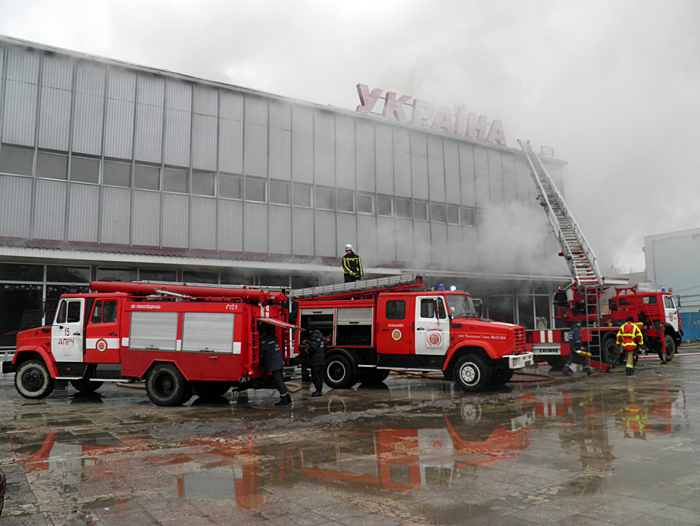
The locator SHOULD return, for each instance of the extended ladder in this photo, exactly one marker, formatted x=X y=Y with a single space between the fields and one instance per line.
x=578 y=254
x=354 y=287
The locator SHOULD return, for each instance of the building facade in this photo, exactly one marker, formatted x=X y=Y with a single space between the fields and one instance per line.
x=114 y=171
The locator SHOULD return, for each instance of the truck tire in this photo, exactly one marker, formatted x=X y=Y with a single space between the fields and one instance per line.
x=670 y=345
x=609 y=351
x=472 y=374
x=86 y=386
x=501 y=376
x=32 y=380
x=373 y=376
x=338 y=373
x=166 y=386
x=209 y=390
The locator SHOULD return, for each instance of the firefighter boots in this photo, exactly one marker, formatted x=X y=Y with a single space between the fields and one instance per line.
x=285 y=400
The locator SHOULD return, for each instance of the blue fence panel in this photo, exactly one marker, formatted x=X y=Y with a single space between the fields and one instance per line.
x=691 y=326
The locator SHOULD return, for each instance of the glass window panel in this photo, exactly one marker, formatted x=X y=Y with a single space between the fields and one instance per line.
x=116 y=174
x=16 y=160
x=325 y=198
x=384 y=205
x=469 y=216
x=437 y=213
x=110 y=312
x=230 y=186
x=125 y=275
x=97 y=313
x=20 y=309
x=420 y=210
x=404 y=208
x=201 y=277
x=279 y=193
x=255 y=190
x=395 y=310
x=175 y=180
x=13 y=272
x=157 y=275
x=302 y=196
x=52 y=165
x=146 y=177
x=346 y=201
x=453 y=214
x=53 y=294
x=204 y=183
x=68 y=274
x=365 y=204
x=85 y=170
x=526 y=313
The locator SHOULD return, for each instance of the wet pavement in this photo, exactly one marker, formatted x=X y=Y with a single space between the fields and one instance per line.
x=561 y=451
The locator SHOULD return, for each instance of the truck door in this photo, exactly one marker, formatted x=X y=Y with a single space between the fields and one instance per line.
x=394 y=327
x=67 y=331
x=671 y=312
x=432 y=325
x=102 y=332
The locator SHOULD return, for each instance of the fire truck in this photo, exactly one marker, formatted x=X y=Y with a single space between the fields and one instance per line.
x=182 y=339
x=651 y=306
x=375 y=326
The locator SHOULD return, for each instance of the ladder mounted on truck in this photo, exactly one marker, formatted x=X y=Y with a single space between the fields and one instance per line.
x=359 y=288
x=575 y=249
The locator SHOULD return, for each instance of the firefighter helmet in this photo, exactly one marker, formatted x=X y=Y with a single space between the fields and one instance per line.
x=348 y=247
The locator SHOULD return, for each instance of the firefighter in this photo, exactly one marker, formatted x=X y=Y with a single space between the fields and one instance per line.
x=578 y=354
x=272 y=361
x=630 y=338
x=352 y=265
x=316 y=349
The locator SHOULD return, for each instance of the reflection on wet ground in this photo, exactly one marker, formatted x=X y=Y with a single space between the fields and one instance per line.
x=603 y=450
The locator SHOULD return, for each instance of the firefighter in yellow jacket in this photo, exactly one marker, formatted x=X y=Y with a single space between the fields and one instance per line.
x=630 y=338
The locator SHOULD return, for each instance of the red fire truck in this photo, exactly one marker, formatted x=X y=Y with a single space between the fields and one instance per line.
x=386 y=324
x=180 y=339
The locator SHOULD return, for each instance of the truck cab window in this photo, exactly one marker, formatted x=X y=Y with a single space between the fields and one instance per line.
x=429 y=306
x=395 y=310
x=97 y=313
x=110 y=312
x=73 y=311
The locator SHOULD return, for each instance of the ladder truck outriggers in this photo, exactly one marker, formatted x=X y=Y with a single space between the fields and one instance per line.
x=375 y=326
x=651 y=306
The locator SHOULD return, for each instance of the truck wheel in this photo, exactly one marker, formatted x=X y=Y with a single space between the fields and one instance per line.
x=610 y=355
x=670 y=345
x=166 y=386
x=373 y=376
x=502 y=376
x=33 y=380
x=338 y=373
x=86 y=386
x=210 y=390
x=472 y=374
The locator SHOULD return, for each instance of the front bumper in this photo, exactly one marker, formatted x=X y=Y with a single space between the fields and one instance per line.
x=518 y=361
x=8 y=367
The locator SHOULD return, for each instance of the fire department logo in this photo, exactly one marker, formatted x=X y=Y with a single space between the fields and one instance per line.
x=101 y=346
x=396 y=335
x=434 y=338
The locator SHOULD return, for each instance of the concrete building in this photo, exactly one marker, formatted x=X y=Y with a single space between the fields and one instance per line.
x=115 y=171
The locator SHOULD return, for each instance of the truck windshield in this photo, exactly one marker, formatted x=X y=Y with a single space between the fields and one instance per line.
x=461 y=306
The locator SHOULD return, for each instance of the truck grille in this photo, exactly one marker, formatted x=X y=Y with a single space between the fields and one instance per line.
x=519 y=337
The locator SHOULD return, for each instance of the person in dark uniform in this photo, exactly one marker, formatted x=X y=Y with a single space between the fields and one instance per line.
x=577 y=354
x=317 y=359
x=272 y=361
x=352 y=265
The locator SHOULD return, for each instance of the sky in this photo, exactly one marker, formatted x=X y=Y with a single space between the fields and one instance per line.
x=613 y=87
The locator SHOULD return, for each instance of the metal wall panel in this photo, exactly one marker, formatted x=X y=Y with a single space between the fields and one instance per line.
x=121 y=84
x=54 y=119
x=146 y=224
x=231 y=146
x=367 y=239
x=454 y=245
x=324 y=238
x=256 y=110
x=303 y=232
x=255 y=228
x=57 y=72
x=419 y=171
x=231 y=105
x=204 y=142
x=83 y=212
x=50 y=209
x=230 y=230
x=385 y=171
x=280 y=229
x=510 y=192
x=421 y=242
x=116 y=216
x=178 y=125
x=19 y=117
x=402 y=173
x=364 y=132
x=280 y=115
x=404 y=245
x=346 y=232
x=90 y=79
x=176 y=215
x=87 y=123
x=15 y=212
x=206 y=100
x=452 y=186
x=345 y=164
x=471 y=248
x=23 y=65
x=280 y=154
x=419 y=144
x=203 y=223
x=178 y=95
x=324 y=160
x=438 y=238
x=150 y=89
x=467 y=171
x=119 y=129
x=435 y=149
x=344 y=128
x=384 y=137
x=436 y=176
x=255 y=144
x=365 y=167
x=386 y=239
x=324 y=124
x=481 y=174
x=302 y=157
x=149 y=133
x=525 y=186
x=402 y=140
x=302 y=119
x=496 y=176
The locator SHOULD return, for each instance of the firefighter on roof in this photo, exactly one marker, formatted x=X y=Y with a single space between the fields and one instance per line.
x=352 y=265
x=630 y=338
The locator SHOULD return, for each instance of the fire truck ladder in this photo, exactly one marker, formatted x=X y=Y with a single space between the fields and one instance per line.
x=576 y=250
x=365 y=285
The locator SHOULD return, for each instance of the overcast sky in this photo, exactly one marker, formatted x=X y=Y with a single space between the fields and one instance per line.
x=612 y=86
